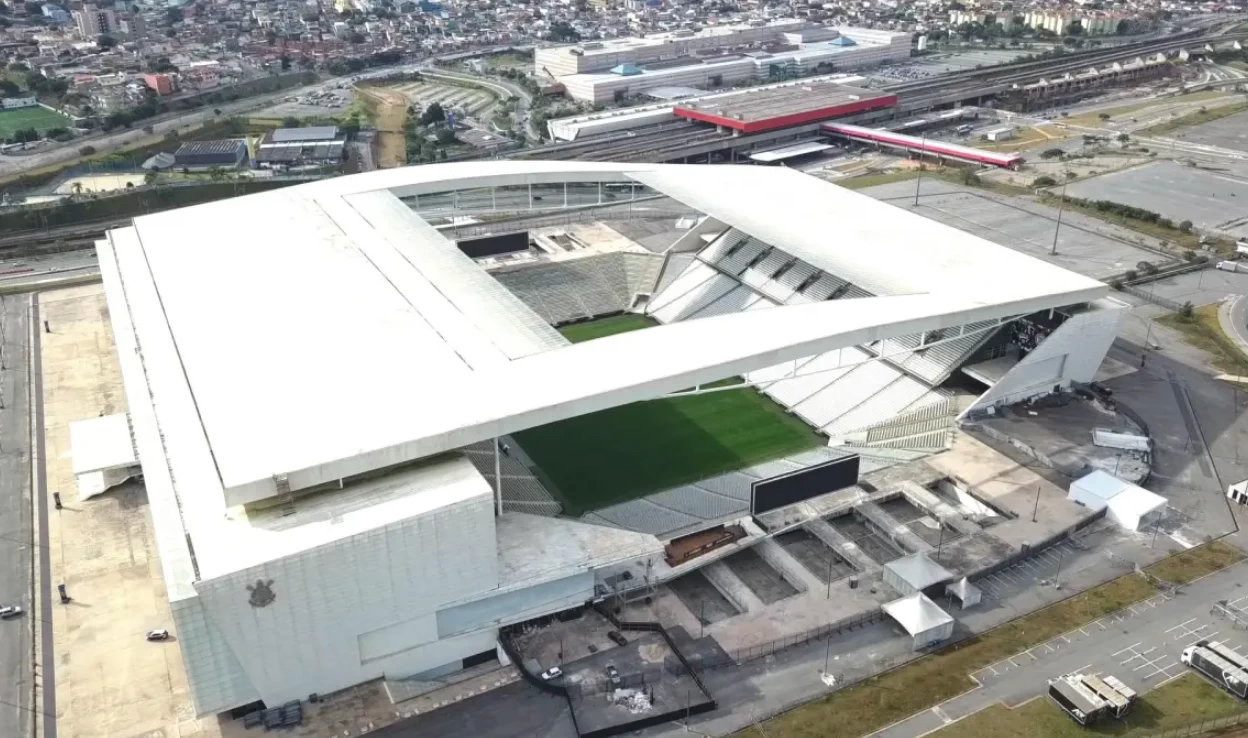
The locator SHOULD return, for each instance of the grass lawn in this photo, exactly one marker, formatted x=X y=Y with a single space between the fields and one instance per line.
x=1161 y=232
x=871 y=180
x=1185 y=700
x=930 y=680
x=625 y=452
x=1194 y=119
x=1203 y=331
x=1196 y=562
x=41 y=119
x=578 y=332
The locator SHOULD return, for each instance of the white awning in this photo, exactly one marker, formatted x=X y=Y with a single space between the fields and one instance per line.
x=917 y=614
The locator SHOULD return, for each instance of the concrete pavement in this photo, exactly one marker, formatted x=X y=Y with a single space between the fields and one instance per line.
x=16 y=669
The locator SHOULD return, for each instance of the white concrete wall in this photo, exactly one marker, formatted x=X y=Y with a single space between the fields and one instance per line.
x=1073 y=352
x=309 y=638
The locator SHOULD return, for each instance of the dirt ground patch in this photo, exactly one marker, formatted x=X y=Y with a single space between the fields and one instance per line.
x=390 y=116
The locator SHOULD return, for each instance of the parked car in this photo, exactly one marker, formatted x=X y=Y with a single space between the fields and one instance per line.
x=553 y=672
x=613 y=675
x=10 y=611
x=618 y=638
x=160 y=634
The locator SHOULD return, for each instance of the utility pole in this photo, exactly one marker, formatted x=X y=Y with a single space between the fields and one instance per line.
x=1036 y=508
x=1057 y=576
x=941 y=542
x=827 y=653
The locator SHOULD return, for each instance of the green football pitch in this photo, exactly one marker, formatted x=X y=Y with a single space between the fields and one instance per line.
x=19 y=119
x=626 y=452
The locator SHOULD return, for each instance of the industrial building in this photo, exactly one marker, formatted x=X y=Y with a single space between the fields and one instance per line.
x=322 y=459
x=292 y=147
x=230 y=152
x=715 y=57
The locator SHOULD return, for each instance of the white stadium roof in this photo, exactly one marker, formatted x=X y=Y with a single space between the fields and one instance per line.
x=325 y=330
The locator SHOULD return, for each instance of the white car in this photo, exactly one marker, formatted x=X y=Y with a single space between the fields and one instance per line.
x=160 y=634
x=553 y=672
x=10 y=611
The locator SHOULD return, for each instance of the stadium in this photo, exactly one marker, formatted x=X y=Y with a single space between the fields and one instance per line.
x=381 y=417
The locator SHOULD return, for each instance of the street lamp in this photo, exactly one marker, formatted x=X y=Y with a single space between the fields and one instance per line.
x=1061 y=204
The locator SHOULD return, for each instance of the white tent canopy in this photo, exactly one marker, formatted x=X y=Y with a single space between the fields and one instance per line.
x=922 y=619
x=1130 y=506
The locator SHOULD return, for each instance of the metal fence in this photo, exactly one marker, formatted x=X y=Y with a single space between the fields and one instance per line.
x=1153 y=298
x=1200 y=728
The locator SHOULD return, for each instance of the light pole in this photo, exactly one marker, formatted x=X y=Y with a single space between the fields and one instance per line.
x=1057 y=576
x=1061 y=204
x=1036 y=508
x=919 y=183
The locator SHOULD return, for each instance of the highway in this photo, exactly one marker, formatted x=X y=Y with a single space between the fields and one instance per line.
x=16 y=644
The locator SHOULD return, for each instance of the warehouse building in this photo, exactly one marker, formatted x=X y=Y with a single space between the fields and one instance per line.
x=206 y=154
x=292 y=147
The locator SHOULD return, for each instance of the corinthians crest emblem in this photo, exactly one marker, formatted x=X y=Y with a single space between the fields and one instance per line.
x=261 y=593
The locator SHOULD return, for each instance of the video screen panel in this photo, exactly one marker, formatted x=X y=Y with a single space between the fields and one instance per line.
x=508 y=243
x=769 y=494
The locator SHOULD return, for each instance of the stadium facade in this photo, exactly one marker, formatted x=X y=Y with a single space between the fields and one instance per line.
x=317 y=379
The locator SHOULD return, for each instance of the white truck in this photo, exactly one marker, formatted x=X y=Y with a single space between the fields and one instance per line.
x=1233 y=266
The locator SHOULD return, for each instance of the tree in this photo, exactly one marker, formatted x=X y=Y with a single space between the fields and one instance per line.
x=1124 y=137
x=285 y=62
x=1052 y=154
x=1185 y=226
x=1124 y=27
x=445 y=136
x=149 y=177
x=1104 y=116
x=356 y=38
x=86 y=150
x=174 y=15
x=1043 y=181
x=105 y=42
x=562 y=31
x=1186 y=311
x=1075 y=28
x=18 y=66
x=433 y=114
x=149 y=130
x=9 y=88
x=161 y=65
x=291 y=121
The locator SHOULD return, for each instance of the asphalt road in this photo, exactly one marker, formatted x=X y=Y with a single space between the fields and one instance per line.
x=16 y=669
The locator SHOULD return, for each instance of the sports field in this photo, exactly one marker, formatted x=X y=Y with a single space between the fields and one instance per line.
x=626 y=452
x=19 y=119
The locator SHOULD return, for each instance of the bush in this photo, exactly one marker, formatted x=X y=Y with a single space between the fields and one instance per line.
x=1043 y=181
x=1103 y=116
x=1186 y=226
x=1147 y=267
x=1051 y=154
x=1189 y=256
x=87 y=150
x=1185 y=312
x=1130 y=275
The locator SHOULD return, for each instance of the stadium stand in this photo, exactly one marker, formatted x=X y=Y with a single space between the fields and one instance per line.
x=578 y=289
x=725 y=497
x=842 y=393
x=522 y=492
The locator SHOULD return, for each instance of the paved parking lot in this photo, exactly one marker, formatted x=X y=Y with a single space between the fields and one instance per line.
x=1204 y=287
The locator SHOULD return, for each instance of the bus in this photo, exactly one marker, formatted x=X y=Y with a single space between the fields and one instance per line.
x=1080 y=703
x=1118 y=703
x=1217 y=669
